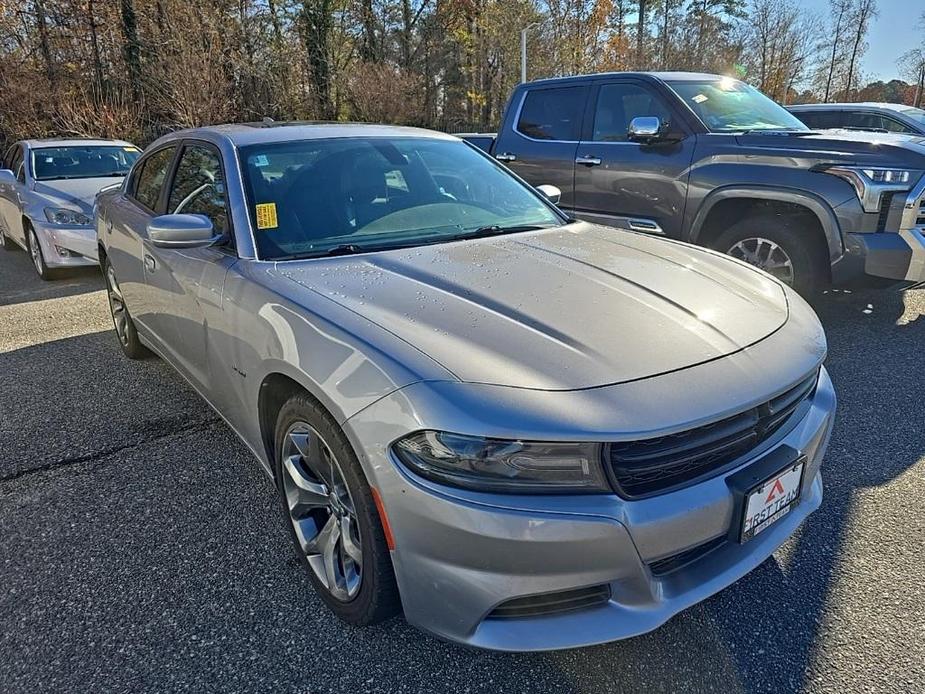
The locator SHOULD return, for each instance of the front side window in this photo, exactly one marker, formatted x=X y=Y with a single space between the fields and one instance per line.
x=18 y=164
x=199 y=187
x=324 y=196
x=618 y=104
x=552 y=114
x=55 y=163
x=150 y=178
x=728 y=105
x=821 y=120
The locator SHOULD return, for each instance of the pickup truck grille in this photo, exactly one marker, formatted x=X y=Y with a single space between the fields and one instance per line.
x=653 y=466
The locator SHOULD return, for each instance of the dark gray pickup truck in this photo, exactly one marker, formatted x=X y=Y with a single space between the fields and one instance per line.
x=711 y=160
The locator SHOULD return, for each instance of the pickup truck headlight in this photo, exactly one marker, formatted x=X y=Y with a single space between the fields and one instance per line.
x=871 y=182
x=62 y=215
x=506 y=466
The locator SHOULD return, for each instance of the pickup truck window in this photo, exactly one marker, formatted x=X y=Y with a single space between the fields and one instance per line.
x=552 y=114
x=618 y=104
x=726 y=105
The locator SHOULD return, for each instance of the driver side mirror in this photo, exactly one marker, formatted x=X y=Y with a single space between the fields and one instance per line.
x=182 y=231
x=7 y=176
x=551 y=193
x=645 y=129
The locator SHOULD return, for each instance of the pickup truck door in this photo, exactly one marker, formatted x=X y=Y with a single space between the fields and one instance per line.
x=188 y=282
x=631 y=184
x=539 y=142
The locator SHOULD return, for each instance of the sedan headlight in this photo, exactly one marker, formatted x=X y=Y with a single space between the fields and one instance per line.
x=62 y=215
x=870 y=182
x=498 y=465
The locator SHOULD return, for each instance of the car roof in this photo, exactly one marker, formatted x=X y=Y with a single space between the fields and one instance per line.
x=848 y=106
x=664 y=76
x=39 y=143
x=243 y=134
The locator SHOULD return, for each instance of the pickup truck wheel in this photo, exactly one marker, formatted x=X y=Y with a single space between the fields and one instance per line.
x=121 y=320
x=781 y=251
x=329 y=508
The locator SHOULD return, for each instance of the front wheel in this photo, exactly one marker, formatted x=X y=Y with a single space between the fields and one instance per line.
x=784 y=252
x=38 y=259
x=330 y=511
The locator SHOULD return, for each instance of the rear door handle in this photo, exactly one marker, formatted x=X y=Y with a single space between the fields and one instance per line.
x=150 y=262
x=588 y=160
x=506 y=156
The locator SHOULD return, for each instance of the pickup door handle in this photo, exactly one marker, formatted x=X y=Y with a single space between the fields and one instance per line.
x=588 y=161
x=506 y=156
x=150 y=262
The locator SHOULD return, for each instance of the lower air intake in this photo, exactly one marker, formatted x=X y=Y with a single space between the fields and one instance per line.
x=552 y=603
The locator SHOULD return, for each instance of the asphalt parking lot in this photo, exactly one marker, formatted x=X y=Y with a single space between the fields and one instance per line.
x=141 y=548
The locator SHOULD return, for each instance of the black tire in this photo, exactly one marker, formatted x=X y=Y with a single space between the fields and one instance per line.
x=809 y=271
x=377 y=598
x=126 y=335
x=38 y=258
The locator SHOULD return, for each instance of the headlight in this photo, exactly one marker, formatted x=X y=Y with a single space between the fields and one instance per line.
x=870 y=182
x=497 y=465
x=62 y=215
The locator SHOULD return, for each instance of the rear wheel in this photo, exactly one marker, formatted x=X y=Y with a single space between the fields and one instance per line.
x=787 y=253
x=121 y=319
x=329 y=509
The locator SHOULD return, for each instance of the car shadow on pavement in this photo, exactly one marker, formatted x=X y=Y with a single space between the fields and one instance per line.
x=155 y=558
x=19 y=282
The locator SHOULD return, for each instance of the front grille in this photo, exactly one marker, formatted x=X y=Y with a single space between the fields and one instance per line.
x=666 y=565
x=653 y=466
x=552 y=603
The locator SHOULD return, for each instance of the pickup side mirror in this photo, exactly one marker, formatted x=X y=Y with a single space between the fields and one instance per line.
x=182 y=231
x=7 y=176
x=551 y=193
x=645 y=129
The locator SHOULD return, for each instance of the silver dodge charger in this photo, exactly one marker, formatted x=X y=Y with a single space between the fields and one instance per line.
x=524 y=431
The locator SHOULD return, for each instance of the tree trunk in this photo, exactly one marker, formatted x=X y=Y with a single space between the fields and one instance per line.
x=95 y=45
x=131 y=48
x=864 y=11
x=44 y=45
x=640 y=35
x=317 y=25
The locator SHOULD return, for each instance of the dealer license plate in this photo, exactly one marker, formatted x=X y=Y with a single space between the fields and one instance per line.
x=772 y=500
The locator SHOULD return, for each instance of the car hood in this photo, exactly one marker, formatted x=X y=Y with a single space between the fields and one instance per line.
x=574 y=307
x=847 y=145
x=74 y=193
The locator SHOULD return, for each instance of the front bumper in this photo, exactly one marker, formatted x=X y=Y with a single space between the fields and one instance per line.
x=458 y=556
x=78 y=241
x=897 y=256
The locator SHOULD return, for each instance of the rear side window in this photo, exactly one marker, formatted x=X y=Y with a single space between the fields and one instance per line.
x=150 y=178
x=619 y=104
x=821 y=120
x=552 y=114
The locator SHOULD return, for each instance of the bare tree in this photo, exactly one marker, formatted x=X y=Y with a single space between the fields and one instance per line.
x=864 y=11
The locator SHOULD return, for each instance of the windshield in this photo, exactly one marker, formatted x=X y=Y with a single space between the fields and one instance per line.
x=323 y=196
x=728 y=105
x=91 y=161
x=916 y=114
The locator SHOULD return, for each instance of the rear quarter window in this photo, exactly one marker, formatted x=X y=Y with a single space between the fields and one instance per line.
x=552 y=114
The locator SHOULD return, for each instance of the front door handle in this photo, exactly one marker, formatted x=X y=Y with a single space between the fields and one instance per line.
x=588 y=160
x=506 y=156
x=150 y=262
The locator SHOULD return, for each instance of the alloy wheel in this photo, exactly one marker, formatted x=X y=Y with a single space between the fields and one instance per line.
x=767 y=255
x=36 y=252
x=322 y=511
x=117 y=306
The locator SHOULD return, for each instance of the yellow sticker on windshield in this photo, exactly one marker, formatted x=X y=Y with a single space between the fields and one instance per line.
x=130 y=149
x=266 y=215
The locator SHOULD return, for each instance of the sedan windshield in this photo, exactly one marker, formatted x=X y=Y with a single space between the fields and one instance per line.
x=52 y=163
x=727 y=105
x=350 y=195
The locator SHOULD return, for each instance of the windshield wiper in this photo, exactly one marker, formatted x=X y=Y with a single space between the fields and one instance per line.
x=343 y=249
x=496 y=229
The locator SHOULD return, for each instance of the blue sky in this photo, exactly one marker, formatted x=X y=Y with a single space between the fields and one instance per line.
x=891 y=34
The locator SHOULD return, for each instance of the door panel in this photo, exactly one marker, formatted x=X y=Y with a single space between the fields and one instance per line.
x=540 y=143
x=624 y=180
x=187 y=283
x=11 y=195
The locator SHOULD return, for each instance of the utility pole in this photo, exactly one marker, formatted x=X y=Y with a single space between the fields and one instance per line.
x=523 y=50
